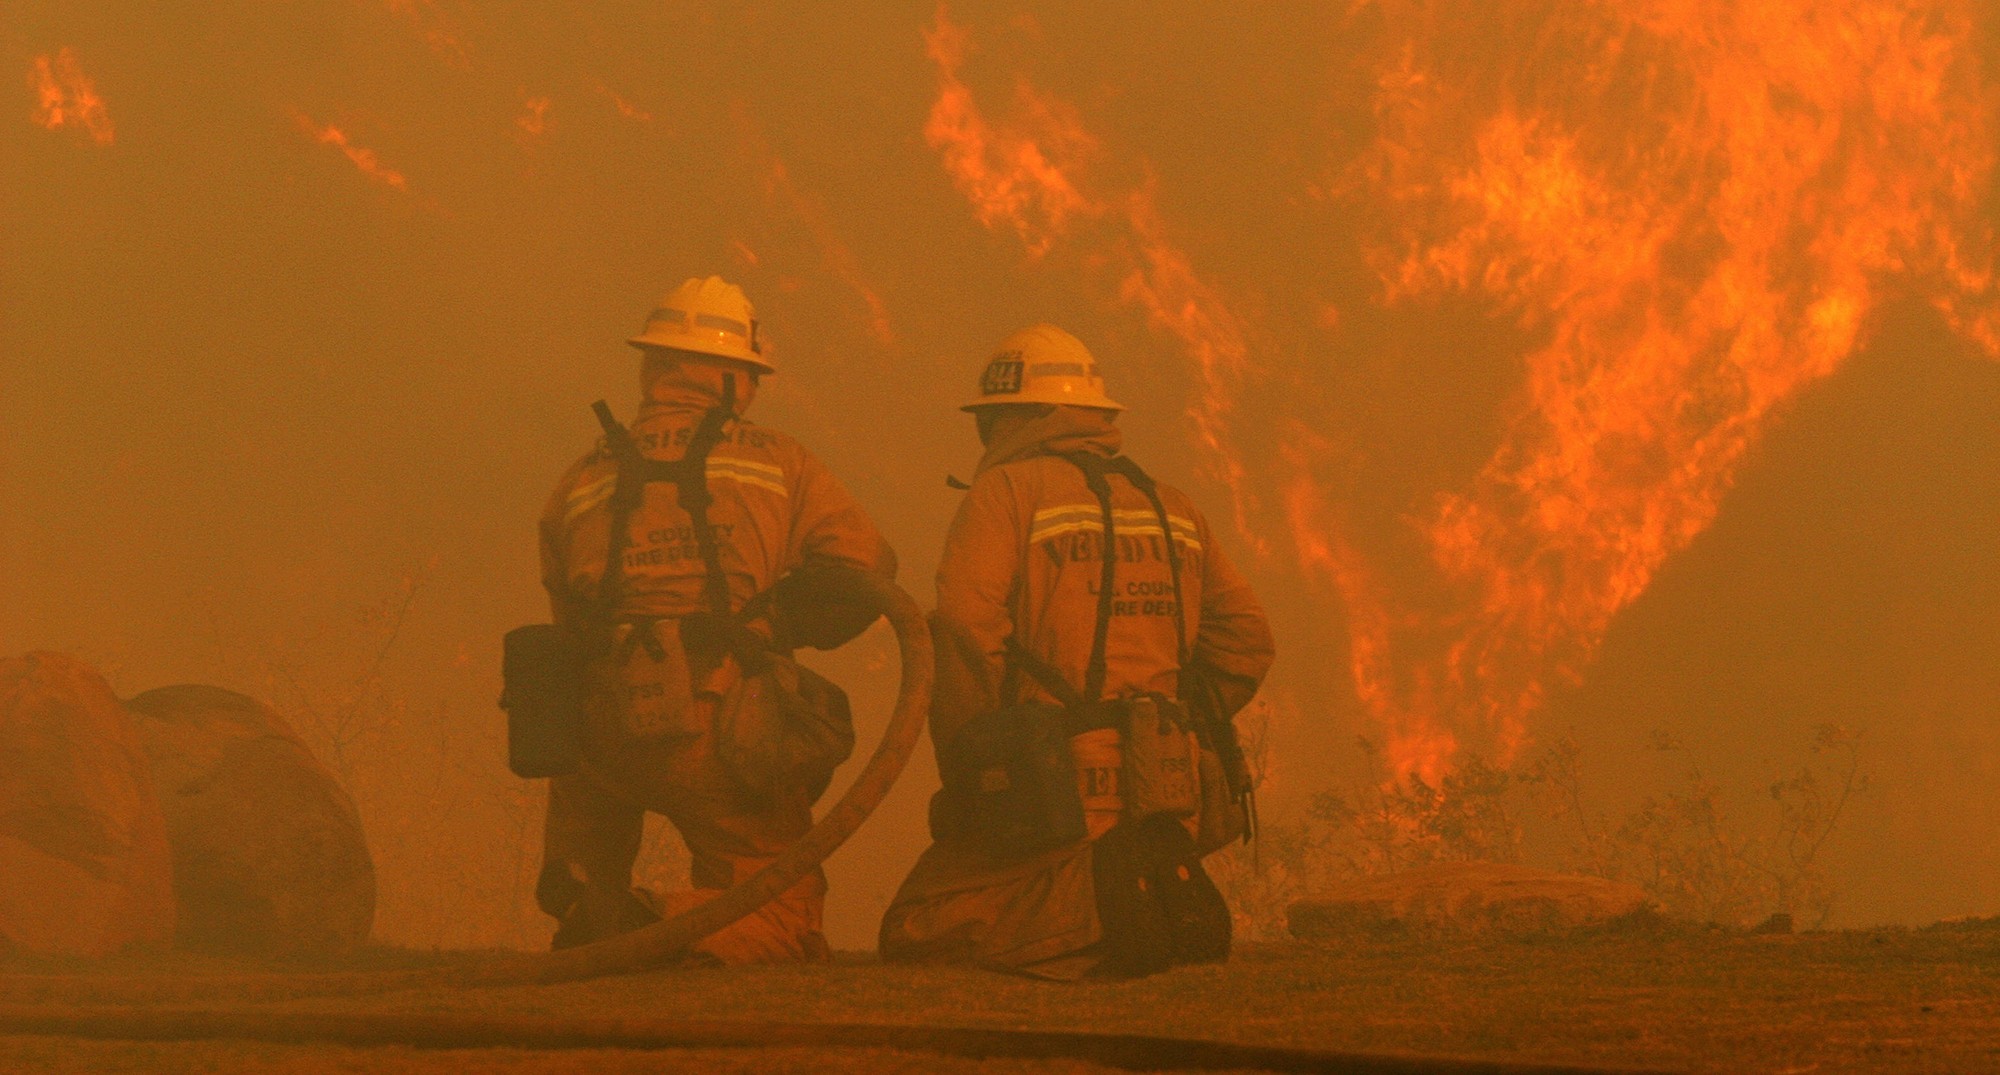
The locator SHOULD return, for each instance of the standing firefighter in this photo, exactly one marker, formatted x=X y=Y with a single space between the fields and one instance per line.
x=1093 y=644
x=685 y=558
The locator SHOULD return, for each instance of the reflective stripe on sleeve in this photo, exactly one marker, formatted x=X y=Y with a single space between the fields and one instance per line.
x=763 y=476
x=1073 y=518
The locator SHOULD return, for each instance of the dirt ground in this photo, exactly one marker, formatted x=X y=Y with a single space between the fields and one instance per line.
x=1680 y=1000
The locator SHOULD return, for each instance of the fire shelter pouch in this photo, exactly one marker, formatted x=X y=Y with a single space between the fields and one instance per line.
x=785 y=726
x=542 y=672
x=1010 y=783
x=652 y=692
x=1161 y=759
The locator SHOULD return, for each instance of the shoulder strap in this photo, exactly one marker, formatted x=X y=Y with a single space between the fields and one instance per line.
x=625 y=497
x=689 y=475
x=1094 y=469
x=1045 y=674
x=1144 y=483
x=692 y=485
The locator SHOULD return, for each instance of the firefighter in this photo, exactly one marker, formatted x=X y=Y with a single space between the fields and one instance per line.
x=1093 y=644
x=688 y=552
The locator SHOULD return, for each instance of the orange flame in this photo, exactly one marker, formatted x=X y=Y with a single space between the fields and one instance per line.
x=1692 y=207
x=1013 y=177
x=625 y=108
x=1024 y=176
x=65 y=96
x=363 y=159
x=840 y=260
x=439 y=31
x=533 y=122
x=1691 y=264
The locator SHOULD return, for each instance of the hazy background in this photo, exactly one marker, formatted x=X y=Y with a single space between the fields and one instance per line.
x=260 y=410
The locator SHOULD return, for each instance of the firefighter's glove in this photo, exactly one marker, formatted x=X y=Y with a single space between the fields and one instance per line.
x=821 y=607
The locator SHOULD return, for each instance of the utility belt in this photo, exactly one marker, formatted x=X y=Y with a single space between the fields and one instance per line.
x=1033 y=777
x=667 y=680
x=641 y=672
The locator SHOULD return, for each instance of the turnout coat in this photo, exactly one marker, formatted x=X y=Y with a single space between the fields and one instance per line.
x=1023 y=562
x=776 y=510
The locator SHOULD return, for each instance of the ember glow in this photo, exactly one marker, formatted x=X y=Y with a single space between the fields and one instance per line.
x=533 y=122
x=625 y=108
x=362 y=158
x=66 y=97
x=438 y=29
x=1696 y=208
x=840 y=260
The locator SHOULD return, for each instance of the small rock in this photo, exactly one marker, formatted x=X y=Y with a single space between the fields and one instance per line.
x=85 y=868
x=269 y=856
x=1467 y=898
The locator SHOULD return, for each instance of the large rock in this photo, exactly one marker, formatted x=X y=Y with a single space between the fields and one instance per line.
x=84 y=864
x=269 y=857
x=1467 y=897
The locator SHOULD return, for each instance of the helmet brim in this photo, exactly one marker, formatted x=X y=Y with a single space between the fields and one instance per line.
x=1101 y=403
x=696 y=347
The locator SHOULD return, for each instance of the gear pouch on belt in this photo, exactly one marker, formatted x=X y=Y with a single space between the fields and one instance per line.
x=651 y=691
x=542 y=669
x=1010 y=783
x=1223 y=820
x=786 y=726
x=1161 y=759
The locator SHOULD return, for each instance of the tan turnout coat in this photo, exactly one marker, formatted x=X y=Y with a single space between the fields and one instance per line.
x=776 y=508
x=1023 y=561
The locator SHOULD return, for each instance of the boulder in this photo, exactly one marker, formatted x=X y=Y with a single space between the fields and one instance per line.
x=85 y=868
x=1467 y=898
x=269 y=856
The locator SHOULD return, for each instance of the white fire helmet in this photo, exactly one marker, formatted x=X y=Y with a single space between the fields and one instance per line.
x=710 y=316
x=1042 y=364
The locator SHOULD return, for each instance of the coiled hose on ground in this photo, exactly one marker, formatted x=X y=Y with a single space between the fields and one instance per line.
x=650 y=946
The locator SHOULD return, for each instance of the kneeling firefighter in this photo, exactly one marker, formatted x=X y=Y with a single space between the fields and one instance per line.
x=1093 y=644
x=685 y=558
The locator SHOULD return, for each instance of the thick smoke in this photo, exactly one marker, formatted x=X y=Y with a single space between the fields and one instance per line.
x=1601 y=369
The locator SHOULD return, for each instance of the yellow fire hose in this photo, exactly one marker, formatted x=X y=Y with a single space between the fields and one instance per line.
x=141 y=1008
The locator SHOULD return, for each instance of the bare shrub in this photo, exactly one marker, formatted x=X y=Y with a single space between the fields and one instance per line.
x=456 y=837
x=1696 y=858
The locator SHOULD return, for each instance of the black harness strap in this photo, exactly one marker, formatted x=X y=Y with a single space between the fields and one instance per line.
x=1094 y=674
x=692 y=486
x=689 y=476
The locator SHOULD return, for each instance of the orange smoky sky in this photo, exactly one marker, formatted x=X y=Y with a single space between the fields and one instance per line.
x=1551 y=369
